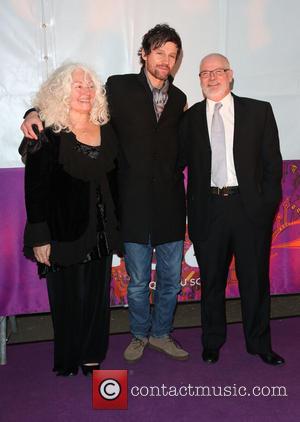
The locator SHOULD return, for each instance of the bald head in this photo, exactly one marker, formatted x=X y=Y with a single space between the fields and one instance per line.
x=216 y=56
x=215 y=76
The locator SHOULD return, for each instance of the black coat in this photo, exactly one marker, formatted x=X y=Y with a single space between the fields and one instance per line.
x=257 y=161
x=61 y=185
x=151 y=189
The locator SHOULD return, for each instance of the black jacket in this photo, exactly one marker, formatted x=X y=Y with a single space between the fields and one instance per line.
x=61 y=188
x=257 y=161
x=152 y=199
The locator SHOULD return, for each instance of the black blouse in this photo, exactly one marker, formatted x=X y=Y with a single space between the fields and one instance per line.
x=70 y=193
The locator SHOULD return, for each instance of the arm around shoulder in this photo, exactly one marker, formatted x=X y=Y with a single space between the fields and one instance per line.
x=31 y=118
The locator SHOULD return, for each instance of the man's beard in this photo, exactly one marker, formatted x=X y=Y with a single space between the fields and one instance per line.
x=158 y=75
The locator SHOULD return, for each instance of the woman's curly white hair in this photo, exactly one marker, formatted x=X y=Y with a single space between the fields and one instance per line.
x=53 y=98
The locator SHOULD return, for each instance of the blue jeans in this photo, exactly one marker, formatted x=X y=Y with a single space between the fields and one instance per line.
x=138 y=259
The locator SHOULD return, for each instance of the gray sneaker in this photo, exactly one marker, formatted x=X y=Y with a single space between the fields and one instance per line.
x=134 y=351
x=168 y=346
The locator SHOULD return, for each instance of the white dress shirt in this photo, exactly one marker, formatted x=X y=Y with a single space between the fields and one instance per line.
x=227 y=113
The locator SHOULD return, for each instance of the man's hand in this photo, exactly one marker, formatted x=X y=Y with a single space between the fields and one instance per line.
x=31 y=119
x=42 y=253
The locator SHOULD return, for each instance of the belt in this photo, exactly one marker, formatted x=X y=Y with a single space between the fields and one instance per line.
x=226 y=191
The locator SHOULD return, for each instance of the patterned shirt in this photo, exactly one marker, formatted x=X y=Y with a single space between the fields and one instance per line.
x=160 y=96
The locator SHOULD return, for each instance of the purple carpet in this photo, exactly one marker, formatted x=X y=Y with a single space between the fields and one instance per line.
x=29 y=391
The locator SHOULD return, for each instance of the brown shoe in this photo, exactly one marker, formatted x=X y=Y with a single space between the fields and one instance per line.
x=134 y=351
x=168 y=346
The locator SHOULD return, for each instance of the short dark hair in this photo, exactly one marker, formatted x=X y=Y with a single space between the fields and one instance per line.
x=158 y=36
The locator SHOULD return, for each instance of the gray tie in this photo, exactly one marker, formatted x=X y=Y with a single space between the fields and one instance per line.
x=218 y=148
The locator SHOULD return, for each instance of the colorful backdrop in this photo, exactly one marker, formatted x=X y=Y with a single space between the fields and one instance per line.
x=21 y=291
x=285 y=252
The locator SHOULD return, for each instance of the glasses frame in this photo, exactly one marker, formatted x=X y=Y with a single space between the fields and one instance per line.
x=214 y=72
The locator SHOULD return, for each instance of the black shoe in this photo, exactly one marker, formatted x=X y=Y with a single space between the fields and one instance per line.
x=210 y=355
x=271 y=358
x=67 y=372
x=87 y=370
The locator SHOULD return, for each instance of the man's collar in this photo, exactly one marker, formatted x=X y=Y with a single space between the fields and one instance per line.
x=226 y=101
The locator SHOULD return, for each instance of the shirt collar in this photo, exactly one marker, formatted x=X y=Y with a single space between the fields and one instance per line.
x=226 y=102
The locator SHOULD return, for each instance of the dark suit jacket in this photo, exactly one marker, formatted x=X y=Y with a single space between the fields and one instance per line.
x=150 y=183
x=257 y=161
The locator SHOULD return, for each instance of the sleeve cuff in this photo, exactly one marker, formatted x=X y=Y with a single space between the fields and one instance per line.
x=29 y=111
x=36 y=234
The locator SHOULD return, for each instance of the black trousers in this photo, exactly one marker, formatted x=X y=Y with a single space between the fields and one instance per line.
x=79 y=303
x=232 y=233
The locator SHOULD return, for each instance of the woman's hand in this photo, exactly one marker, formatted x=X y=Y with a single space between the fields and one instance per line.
x=31 y=119
x=42 y=254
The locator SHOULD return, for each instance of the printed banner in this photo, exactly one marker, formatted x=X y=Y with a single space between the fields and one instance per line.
x=21 y=291
x=284 y=260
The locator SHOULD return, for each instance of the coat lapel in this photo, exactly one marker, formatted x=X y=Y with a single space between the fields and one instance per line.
x=239 y=128
x=203 y=129
x=166 y=109
x=149 y=97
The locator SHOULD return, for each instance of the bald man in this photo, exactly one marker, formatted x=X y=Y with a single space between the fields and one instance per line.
x=231 y=147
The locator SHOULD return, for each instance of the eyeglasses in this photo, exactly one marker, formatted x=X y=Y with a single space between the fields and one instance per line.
x=205 y=74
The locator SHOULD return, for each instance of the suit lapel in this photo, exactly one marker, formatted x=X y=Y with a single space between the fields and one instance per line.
x=239 y=125
x=203 y=128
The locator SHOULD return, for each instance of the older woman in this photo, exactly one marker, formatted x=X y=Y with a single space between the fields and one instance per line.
x=72 y=227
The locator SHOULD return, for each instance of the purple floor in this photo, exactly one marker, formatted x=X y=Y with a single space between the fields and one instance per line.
x=29 y=391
